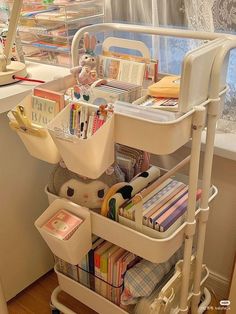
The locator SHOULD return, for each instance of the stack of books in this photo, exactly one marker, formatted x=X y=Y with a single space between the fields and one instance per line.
x=115 y=90
x=162 y=208
x=102 y=269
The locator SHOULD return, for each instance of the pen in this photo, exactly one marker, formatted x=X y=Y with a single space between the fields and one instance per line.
x=85 y=122
x=82 y=118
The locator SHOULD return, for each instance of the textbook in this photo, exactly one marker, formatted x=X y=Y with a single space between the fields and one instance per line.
x=97 y=260
x=56 y=96
x=43 y=110
x=153 y=218
x=175 y=212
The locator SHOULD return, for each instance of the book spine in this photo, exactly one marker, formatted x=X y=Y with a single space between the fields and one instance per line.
x=172 y=202
x=97 y=272
x=90 y=125
x=164 y=199
x=179 y=211
x=83 y=275
x=103 y=275
x=173 y=217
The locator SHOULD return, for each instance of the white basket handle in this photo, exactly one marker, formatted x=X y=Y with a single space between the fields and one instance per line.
x=108 y=27
x=127 y=44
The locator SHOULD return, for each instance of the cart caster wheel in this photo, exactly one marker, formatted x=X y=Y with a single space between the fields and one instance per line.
x=54 y=310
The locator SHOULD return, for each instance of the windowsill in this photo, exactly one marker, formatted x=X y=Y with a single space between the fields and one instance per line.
x=225 y=145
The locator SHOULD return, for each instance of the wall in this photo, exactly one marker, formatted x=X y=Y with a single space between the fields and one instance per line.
x=24 y=256
x=221 y=230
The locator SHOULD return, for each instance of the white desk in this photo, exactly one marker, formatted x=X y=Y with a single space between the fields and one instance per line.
x=24 y=256
x=13 y=93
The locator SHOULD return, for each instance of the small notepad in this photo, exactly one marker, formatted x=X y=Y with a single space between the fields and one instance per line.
x=43 y=110
x=62 y=225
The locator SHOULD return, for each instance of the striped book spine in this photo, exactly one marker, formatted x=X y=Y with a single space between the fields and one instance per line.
x=167 y=206
x=164 y=198
x=179 y=211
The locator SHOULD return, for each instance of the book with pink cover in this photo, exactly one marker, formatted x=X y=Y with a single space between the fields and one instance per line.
x=56 y=96
x=62 y=225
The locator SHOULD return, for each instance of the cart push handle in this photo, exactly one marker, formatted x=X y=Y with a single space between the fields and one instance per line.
x=108 y=27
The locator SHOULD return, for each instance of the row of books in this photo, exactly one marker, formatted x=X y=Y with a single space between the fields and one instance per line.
x=158 y=103
x=102 y=269
x=162 y=208
x=115 y=90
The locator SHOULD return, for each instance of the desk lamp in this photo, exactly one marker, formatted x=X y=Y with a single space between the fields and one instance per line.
x=9 y=69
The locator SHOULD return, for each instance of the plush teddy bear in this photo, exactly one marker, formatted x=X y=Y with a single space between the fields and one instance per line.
x=83 y=191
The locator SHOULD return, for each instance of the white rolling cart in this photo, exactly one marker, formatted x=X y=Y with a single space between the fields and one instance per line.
x=201 y=92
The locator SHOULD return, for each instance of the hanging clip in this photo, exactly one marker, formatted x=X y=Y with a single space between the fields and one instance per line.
x=23 y=124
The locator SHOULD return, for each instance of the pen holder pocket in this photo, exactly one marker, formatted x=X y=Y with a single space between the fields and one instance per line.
x=37 y=140
x=88 y=157
x=73 y=249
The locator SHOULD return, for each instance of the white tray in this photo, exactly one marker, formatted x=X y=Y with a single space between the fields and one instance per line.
x=152 y=249
x=169 y=293
x=153 y=131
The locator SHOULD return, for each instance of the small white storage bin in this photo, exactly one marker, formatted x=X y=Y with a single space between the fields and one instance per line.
x=41 y=147
x=78 y=245
x=88 y=157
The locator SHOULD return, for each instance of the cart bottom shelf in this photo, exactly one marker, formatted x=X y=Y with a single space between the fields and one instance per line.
x=170 y=293
x=88 y=297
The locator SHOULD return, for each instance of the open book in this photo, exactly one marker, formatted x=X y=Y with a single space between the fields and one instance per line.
x=122 y=70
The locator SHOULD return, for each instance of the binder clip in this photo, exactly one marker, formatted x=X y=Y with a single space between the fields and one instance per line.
x=23 y=124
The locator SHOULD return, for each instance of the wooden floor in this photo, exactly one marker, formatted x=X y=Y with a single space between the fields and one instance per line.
x=36 y=298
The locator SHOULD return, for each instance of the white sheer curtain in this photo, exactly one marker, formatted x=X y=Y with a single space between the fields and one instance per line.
x=201 y=15
x=163 y=12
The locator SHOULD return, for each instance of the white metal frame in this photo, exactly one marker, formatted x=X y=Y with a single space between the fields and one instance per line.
x=212 y=110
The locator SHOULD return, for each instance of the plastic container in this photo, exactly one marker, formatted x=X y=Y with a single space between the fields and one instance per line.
x=41 y=147
x=87 y=157
x=78 y=245
x=87 y=296
x=47 y=30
